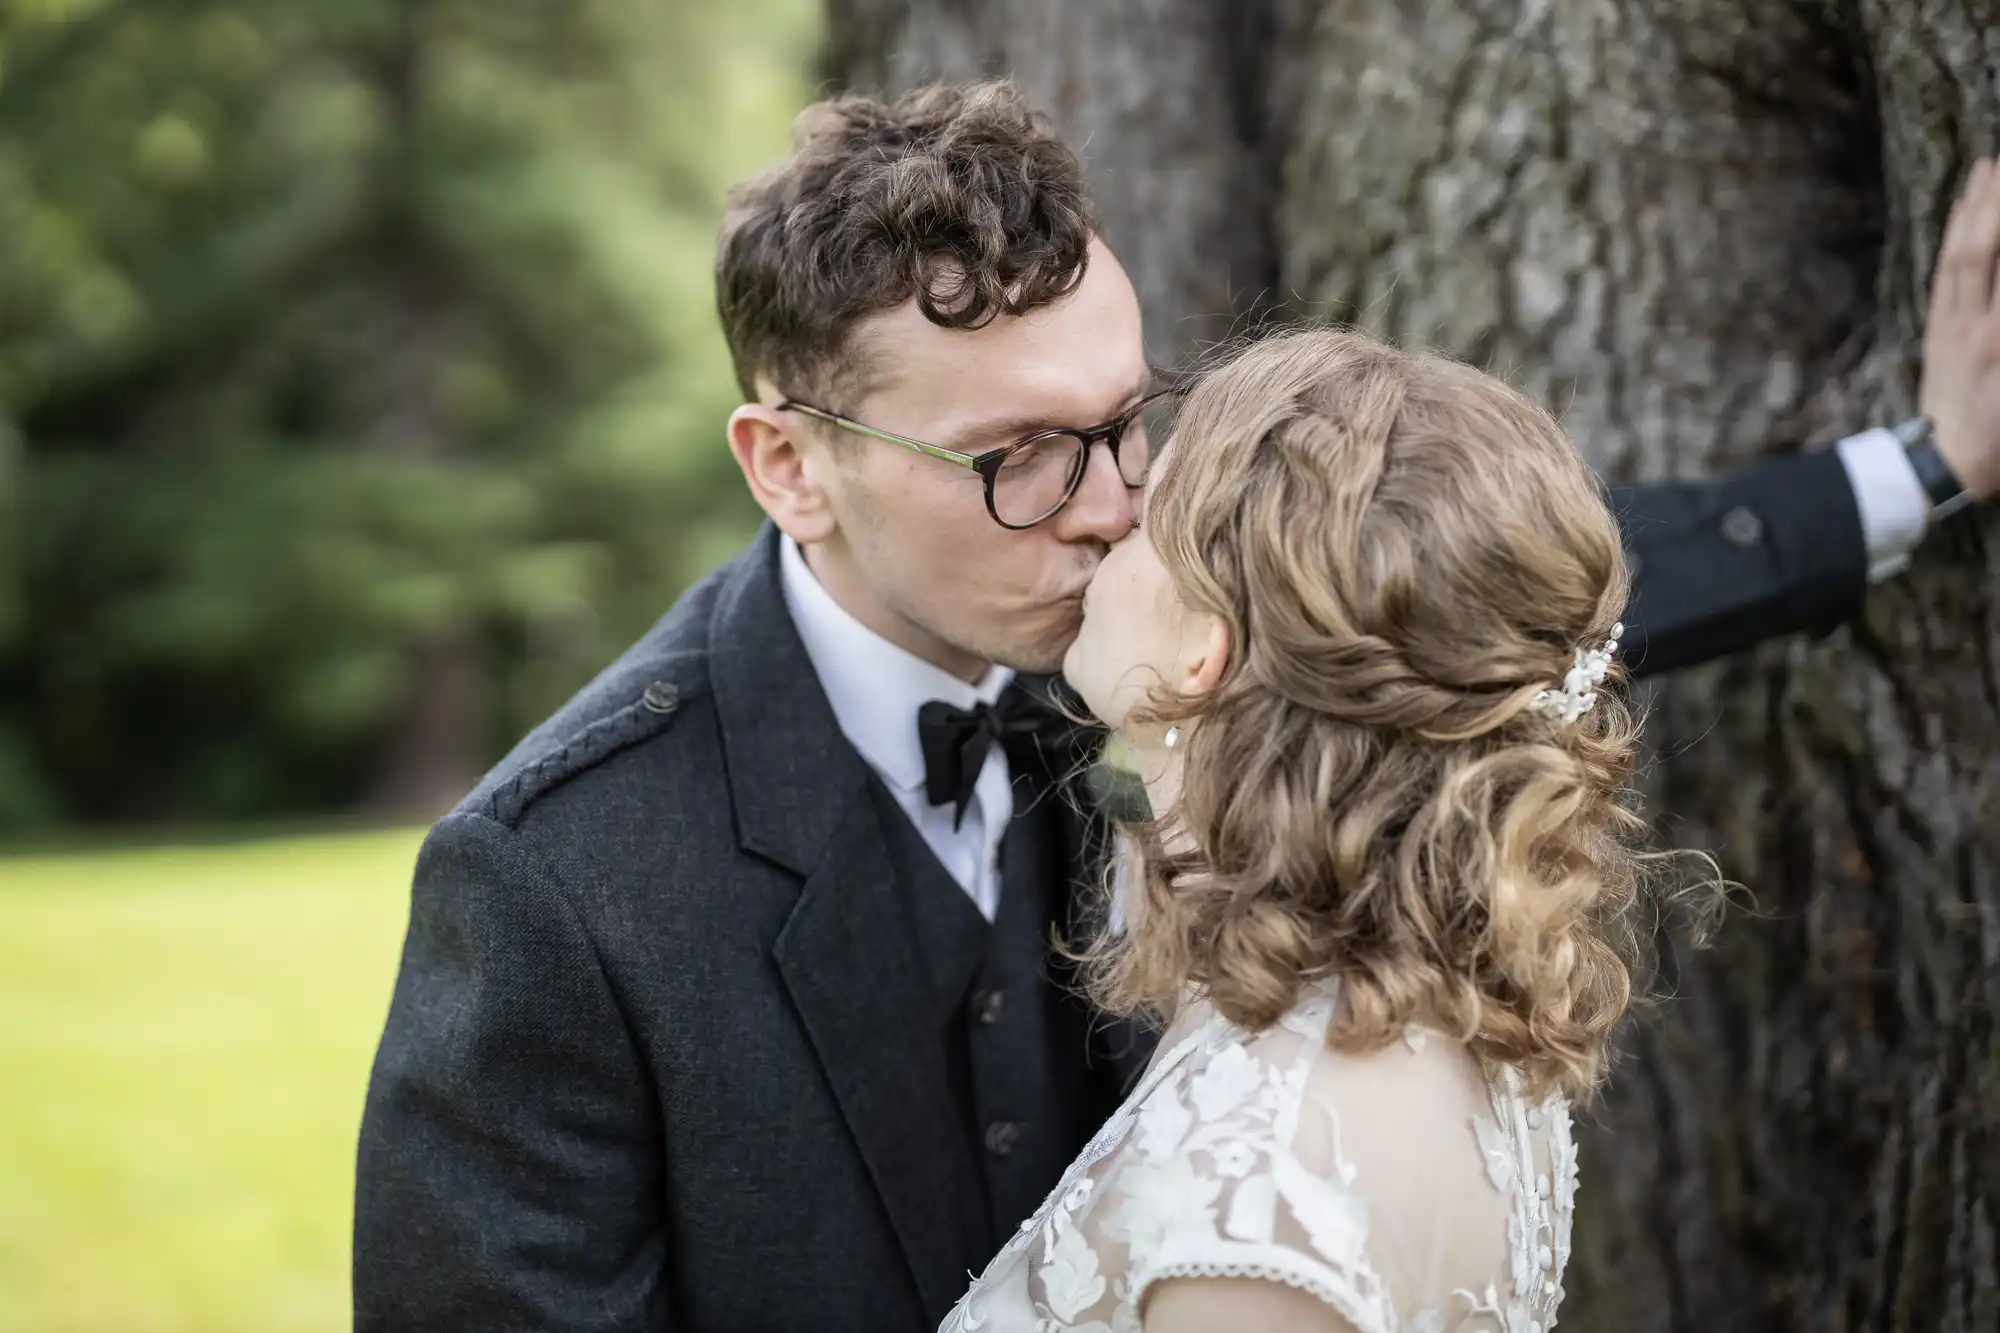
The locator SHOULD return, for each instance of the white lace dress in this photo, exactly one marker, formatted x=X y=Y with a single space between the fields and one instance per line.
x=1408 y=1189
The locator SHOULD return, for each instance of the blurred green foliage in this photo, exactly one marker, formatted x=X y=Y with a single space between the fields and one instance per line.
x=359 y=379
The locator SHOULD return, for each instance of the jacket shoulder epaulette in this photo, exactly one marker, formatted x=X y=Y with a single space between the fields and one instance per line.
x=655 y=699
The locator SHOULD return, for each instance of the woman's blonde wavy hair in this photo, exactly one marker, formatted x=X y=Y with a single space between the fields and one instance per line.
x=1404 y=551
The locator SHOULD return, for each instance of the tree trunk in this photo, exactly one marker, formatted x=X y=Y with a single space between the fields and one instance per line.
x=431 y=753
x=1695 y=228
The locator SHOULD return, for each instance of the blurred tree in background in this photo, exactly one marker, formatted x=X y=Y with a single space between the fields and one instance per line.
x=360 y=392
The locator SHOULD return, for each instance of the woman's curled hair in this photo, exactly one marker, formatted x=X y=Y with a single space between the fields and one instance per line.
x=1404 y=552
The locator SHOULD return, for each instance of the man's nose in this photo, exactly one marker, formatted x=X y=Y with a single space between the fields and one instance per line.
x=1102 y=507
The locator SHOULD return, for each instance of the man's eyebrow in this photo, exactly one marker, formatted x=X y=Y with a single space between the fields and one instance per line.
x=1005 y=430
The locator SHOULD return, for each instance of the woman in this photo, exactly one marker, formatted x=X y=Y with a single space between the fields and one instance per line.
x=1357 y=650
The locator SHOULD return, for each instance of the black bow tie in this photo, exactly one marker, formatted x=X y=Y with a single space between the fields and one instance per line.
x=957 y=740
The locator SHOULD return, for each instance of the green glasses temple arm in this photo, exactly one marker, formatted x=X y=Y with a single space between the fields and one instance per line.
x=848 y=423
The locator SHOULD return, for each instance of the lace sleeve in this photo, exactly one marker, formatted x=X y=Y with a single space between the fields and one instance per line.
x=1402 y=1188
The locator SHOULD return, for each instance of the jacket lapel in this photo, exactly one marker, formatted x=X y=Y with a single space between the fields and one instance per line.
x=847 y=954
x=847 y=958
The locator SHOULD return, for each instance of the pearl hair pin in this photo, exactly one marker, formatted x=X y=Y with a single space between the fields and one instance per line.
x=1578 y=694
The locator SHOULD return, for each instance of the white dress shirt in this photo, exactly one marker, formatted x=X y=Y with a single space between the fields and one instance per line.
x=1894 y=509
x=876 y=689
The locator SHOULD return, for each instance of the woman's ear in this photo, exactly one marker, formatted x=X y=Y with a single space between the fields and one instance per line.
x=1202 y=671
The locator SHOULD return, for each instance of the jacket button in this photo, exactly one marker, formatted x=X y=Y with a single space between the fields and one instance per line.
x=986 y=1006
x=1000 y=1137
x=1741 y=527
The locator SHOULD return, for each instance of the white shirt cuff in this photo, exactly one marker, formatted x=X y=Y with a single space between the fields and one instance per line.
x=1894 y=508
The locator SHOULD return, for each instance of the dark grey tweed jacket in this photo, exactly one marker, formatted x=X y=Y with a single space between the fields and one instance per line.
x=651 y=1061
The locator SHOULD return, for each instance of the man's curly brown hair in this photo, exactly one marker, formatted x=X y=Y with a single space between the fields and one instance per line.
x=960 y=197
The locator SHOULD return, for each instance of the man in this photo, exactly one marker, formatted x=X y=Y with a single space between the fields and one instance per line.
x=727 y=1002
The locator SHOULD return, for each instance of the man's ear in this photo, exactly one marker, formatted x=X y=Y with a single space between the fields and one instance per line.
x=1202 y=671
x=783 y=467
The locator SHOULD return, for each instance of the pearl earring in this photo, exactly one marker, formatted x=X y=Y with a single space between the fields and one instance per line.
x=1173 y=737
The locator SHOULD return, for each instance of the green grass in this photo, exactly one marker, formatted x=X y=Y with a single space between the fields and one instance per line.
x=185 y=1036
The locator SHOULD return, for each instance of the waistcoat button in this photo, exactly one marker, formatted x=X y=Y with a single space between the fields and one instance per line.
x=1000 y=1136
x=986 y=1006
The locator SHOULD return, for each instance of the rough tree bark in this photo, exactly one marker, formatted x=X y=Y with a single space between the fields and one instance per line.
x=1695 y=227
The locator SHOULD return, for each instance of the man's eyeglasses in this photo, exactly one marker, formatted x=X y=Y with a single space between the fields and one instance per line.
x=1035 y=476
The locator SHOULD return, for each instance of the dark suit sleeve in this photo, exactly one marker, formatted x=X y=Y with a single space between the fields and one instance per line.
x=1773 y=549
x=509 y=1174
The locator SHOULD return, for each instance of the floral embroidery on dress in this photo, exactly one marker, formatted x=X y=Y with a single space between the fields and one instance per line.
x=1071 y=1283
x=1160 y=1198
x=1271 y=1155
x=1538 y=1231
x=1494 y=1149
